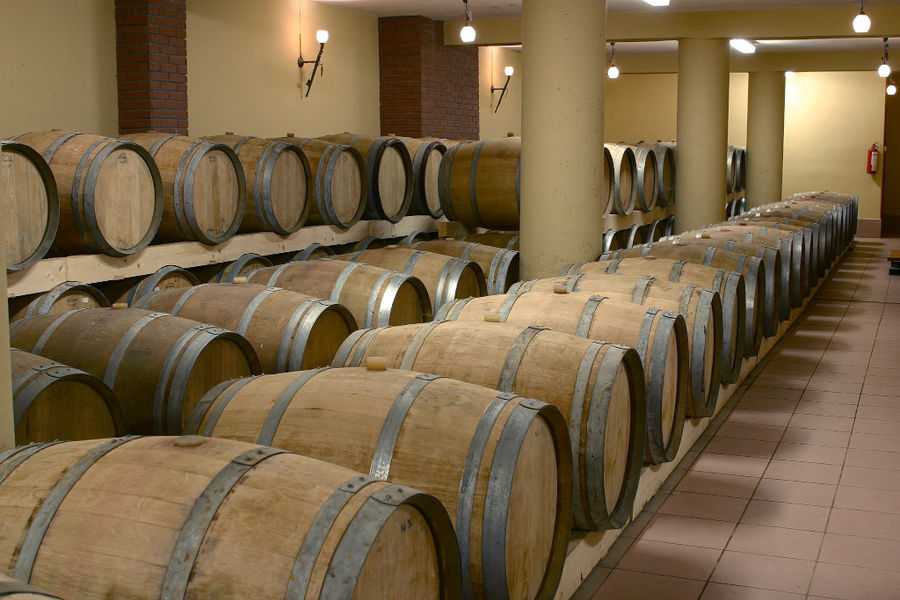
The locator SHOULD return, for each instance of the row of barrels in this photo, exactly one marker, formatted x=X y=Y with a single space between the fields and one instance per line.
x=75 y=193
x=618 y=359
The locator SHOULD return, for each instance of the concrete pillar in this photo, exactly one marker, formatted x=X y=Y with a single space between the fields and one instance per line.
x=765 y=137
x=702 y=132
x=7 y=428
x=563 y=87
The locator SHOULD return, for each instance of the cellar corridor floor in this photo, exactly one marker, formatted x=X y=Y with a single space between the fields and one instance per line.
x=794 y=490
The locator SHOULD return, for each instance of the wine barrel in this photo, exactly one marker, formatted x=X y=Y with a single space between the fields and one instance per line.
x=646 y=177
x=168 y=277
x=498 y=239
x=624 y=172
x=665 y=177
x=701 y=309
x=216 y=519
x=158 y=365
x=445 y=278
x=630 y=237
x=731 y=160
x=608 y=200
x=730 y=285
x=611 y=240
x=246 y=263
x=426 y=155
x=110 y=192
x=375 y=297
x=500 y=265
x=204 y=184
x=12 y=589
x=279 y=183
x=340 y=184
x=659 y=337
x=70 y=295
x=30 y=202
x=606 y=414
x=804 y=252
x=740 y=169
x=52 y=401
x=389 y=171
x=432 y=433
x=370 y=241
x=312 y=252
x=751 y=269
x=479 y=183
x=822 y=241
x=290 y=331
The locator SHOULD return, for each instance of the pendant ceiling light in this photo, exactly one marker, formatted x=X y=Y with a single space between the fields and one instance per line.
x=884 y=69
x=861 y=23
x=467 y=33
x=613 y=71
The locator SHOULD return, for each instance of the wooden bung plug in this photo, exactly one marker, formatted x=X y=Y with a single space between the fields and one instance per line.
x=560 y=288
x=492 y=317
x=240 y=280
x=120 y=305
x=190 y=441
x=376 y=363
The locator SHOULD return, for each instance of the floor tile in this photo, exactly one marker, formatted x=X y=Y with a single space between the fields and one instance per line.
x=789 y=470
x=770 y=404
x=859 y=551
x=741 y=447
x=722 y=591
x=881 y=413
x=817 y=437
x=674 y=560
x=704 y=506
x=830 y=455
x=688 y=531
x=873 y=400
x=752 y=431
x=873 y=458
x=718 y=484
x=776 y=541
x=730 y=464
x=772 y=392
x=867 y=499
x=854 y=583
x=629 y=585
x=759 y=417
x=878 y=427
x=784 y=514
x=825 y=409
x=776 y=573
x=872 y=441
x=817 y=494
x=833 y=397
x=867 y=477
x=801 y=421
x=864 y=523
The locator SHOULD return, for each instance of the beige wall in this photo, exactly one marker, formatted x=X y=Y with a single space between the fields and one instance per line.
x=491 y=62
x=641 y=107
x=832 y=119
x=243 y=74
x=59 y=65
x=738 y=97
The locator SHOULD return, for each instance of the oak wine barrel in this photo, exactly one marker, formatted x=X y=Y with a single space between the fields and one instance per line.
x=69 y=295
x=731 y=160
x=279 y=183
x=659 y=337
x=701 y=309
x=290 y=331
x=498 y=239
x=30 y=201
x=498 y=462
x=52 y=401
x=110 y=192
x=243 y=265
x=205 y=189
x=623 y=177
x=665 y=177
x=598 y=386
x=815 y=237
x=804 y=252
x=389 y=171
x=646 y=177
x=157 y=364
x=168 y=277
x=216 y=519
x=313 y=252
x=375 y=297
x=608 y=199
x=12 y=589
x=500 y=266
x=479 y=183
x=340 y=182
x=446 y=278
x=426 y=155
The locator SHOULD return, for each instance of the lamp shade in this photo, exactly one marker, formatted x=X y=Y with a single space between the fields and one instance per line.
x=322 y=36
x=884 y=70
x=862 y=23
x=891 y=89
x=467 y=34
x=613 y=72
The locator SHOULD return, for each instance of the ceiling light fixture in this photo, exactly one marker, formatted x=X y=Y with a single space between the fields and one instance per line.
x=613 y=71
x=743 y=46
x=790 y=74
x=657 y=2
x=884 y=69
x=467 y=33
x=861 y=22
x=891 y=89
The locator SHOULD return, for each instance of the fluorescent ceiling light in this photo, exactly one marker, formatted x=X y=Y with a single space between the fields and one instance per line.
x=743 y=46
x=657 y=2
x=790 y=74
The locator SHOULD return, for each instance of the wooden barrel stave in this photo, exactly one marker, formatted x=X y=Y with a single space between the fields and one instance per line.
x=375 y=297
x=12 y=589
x=701 y=309
x=312 y=252
x=315 y=527
x=30 y=201
x=426 y=155
x=290 y=331
x=554 y=367
x=497 y=239
x=69 y=295
x=391 y=423
x=624 y=172
x=158 y=365
x=646 y=177
x=110 y=192
x=501 y=266
x=659 y=337
x=205 y=189
x=52 y=401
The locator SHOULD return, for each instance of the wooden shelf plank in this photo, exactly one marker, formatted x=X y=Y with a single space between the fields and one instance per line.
x=94 y=268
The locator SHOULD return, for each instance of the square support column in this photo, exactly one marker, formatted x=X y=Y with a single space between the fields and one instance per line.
x=765 y=137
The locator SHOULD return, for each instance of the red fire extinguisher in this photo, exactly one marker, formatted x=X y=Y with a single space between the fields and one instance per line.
x=872 y=160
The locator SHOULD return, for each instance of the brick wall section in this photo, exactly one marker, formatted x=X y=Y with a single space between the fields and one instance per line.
x=151 y=65
x=427 y=89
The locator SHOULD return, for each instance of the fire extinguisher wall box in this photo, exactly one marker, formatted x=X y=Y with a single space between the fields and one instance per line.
x=872 y=160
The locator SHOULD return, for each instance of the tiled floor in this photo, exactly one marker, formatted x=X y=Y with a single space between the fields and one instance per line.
x=794 y=491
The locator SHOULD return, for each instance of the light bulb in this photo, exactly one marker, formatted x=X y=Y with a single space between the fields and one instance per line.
x=862 y=23
x=322 y=36
x=613 y=72
x=657 y=2
x=508 y=71
x=884 y=70
x=790 y=74
x=891 y=89
x=743 y=46
x=467 y=34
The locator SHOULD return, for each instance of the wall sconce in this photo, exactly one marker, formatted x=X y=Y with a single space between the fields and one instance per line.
x=322 y=38
x=508 y=71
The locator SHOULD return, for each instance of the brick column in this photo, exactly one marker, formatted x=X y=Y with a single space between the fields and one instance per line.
x=427 y=89
x=151 y=65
